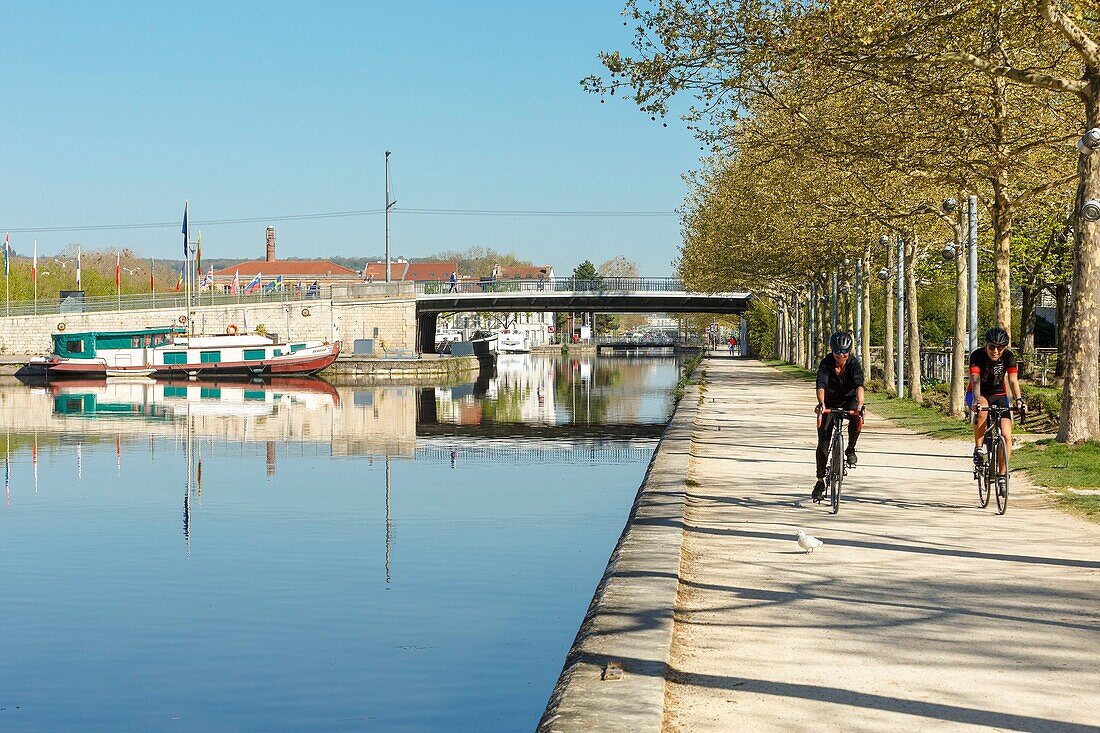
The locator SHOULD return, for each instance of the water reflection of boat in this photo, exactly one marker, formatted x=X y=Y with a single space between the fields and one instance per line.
x=166 y=399
x=512 y=342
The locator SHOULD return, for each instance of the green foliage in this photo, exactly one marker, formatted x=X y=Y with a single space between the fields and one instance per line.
x=761 y=323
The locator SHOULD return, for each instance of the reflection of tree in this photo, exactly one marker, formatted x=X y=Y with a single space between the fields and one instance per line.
x=582 y=397
x=506 y=405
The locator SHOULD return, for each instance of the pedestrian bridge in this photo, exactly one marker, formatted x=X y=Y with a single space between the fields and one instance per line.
x=605 y=295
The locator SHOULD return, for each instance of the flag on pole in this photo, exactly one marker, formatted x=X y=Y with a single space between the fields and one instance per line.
x=198 y=253
x=118 y=271
x=209 y=281
x=152 y=268
x=7 y=265
x=236 y=282
x=253 y=283
x=34 y=264
x=185 y=231
x=179 y=283
x=78 y=267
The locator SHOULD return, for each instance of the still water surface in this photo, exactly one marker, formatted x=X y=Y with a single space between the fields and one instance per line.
x=297 y=556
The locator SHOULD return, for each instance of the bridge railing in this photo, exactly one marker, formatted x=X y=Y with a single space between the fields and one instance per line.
x=167 y=300
x=553 y=285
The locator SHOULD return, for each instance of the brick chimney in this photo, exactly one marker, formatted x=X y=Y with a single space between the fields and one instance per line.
x=271 y=244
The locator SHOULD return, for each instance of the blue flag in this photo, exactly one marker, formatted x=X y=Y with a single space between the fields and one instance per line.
x=185 y=231
x=7 y=267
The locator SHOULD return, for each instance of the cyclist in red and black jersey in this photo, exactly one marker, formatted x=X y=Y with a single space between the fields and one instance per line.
x=992 y=376
x=839 y=387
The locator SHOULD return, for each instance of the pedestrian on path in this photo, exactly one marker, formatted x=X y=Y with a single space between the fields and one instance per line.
x=454 y=282
x=839 y=387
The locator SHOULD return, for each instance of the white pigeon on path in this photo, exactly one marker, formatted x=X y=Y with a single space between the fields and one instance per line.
x=808 y=543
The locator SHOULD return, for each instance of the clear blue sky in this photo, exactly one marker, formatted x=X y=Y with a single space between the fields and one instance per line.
x=115 y=112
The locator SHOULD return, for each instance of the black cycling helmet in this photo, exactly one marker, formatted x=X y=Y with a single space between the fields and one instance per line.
x=996 y=336
x=840 y=342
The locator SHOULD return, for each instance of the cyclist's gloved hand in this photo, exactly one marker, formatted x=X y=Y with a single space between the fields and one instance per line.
x=1021 y=407
x=820 y=408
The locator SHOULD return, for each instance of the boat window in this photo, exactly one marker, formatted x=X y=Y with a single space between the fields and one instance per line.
x=175 y=357
x=254 y=354
x=210 y=357
x=296 y=347
x=75 y=346
x=114 y=342
x=148 y=341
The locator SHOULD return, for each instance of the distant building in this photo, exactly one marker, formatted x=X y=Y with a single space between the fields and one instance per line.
x=294 y=274
x=537 y=327
x=401 y=270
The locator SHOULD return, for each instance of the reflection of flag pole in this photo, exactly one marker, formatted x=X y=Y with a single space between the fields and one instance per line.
x=34 y=461
x=34 y=275
x=79 y=461
x=7 y=276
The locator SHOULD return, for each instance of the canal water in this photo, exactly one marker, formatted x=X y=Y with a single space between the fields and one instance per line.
x=300 y=556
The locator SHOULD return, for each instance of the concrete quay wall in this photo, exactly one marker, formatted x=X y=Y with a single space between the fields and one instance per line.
x=630 y=620
x=390 y=321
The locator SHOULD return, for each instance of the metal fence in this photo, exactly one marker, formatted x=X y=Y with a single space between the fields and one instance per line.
x=171 y=300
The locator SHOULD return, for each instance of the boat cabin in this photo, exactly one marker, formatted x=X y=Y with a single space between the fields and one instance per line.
x=86 y=345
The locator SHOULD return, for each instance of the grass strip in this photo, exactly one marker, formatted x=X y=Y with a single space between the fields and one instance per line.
x=1066 y=470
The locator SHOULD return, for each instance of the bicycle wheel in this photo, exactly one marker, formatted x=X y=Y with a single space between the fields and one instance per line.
x=983 y=486
x=838 y=467
x=981 y=473
x=1000 y=482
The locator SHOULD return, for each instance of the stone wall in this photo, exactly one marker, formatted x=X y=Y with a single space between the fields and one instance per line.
x=390 y=321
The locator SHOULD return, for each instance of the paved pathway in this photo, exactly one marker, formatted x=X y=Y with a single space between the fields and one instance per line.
x=921 y=612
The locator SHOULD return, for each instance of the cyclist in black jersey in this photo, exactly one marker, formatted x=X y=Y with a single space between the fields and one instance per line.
x=840 y=387
x=993 y=374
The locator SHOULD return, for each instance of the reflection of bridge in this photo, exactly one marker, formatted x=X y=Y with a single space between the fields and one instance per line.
x=609 y=295
x=572 y=452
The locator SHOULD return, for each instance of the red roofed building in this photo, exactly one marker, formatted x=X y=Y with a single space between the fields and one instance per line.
x=403 y=270
x=293 y=273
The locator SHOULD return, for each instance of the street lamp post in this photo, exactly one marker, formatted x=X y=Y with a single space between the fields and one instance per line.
x=972 y=245
x=901 y=315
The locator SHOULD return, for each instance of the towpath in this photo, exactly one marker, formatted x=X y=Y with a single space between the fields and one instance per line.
x=921 y=612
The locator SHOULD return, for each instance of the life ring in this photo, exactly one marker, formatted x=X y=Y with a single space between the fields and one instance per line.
x=61 y=327
x=305 y=312
x=231 y=329
x=183 y=319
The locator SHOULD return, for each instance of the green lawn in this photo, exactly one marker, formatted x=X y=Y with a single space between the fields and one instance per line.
x=1063 y=468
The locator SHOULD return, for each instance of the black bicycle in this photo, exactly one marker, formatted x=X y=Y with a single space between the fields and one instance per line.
x=992 y=474
x=836 y=466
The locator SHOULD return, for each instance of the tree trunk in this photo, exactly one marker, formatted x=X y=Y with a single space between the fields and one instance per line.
x=959 y=371
x=1061 y=310
x=1080 y=420
x=1029 y=296
x=1002 y=259
x=865 y=305
x=1002 y=208
x=912 y=319
x=888 y=338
